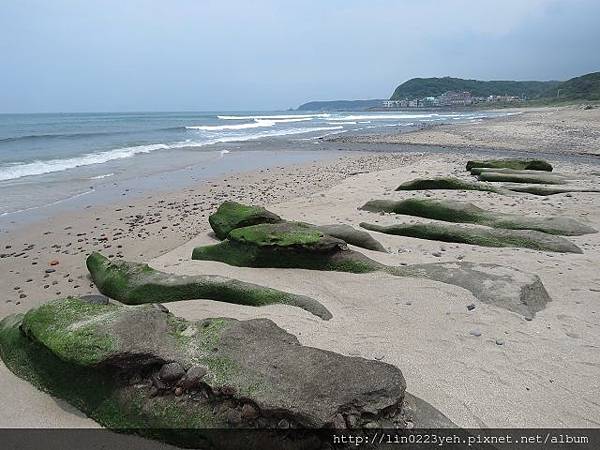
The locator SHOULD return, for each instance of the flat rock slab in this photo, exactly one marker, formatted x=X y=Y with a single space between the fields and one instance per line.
x=518 y=164
x=450 y=183
x=532 y=178
x=487 y=237
x=465 y=212
x=546 y=190
x=135 y=284
x=501 y=286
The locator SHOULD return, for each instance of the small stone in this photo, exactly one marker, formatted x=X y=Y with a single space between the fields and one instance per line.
x=249 y=412
x=338 y=422
x=471 y=306
x=475 y=333
x=437 y=254
x=171 y=371
x=234 y=417
x=50 y=270
x=178 y=391
x=22 y=295
x=499 y=341
x=193 y=377
x=54 y=262
x=352 y=421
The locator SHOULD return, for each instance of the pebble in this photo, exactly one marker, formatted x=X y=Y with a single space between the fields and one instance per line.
x=499 y=341
x=50 y=270
x=475 y=333
x=471 y=306
x=171 y=371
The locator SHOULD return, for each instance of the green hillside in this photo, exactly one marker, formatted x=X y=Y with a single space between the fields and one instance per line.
x=431 y=87
x=585 y=87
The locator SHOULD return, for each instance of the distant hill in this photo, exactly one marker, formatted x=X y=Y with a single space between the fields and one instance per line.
x=337 y=105
x=432 y=87
x=585 y=87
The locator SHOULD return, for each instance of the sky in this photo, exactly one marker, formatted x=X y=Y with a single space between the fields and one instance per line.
x=205 y=55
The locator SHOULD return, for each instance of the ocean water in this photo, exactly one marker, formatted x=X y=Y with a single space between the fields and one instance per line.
x=47 y=159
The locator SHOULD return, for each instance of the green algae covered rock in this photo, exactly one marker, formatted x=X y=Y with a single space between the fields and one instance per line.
x=352 y=236
x=518 y=164
x=259 y=246
x=247 y=374
x=535 y=177
x=444 y=183
x=232 y=215
x=546 y=190
x=287 y=244
x=487 y=237
x=464 y=212
x=135 y=283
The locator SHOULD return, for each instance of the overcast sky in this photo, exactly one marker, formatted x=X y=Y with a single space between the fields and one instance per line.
x=171 y=55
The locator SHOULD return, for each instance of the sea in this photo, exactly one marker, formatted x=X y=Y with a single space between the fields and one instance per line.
x=58 y=159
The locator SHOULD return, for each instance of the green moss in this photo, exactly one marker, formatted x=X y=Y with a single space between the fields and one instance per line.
x=232 y=215
x=286 y=235
x=464 y=212
x=443 y=183
x=546 y=190
x=53 y=325
x=534 y=178
x=99 y=395
x=431 y=209
x=136 y=284
x=518 y=164
x=486 y=237
x=247 y=255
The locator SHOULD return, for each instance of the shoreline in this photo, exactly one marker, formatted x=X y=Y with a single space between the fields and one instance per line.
x=420 y=326
x=568 y=130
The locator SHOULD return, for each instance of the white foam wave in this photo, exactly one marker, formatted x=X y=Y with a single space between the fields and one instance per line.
x=258 y=123
x=267 y=134
x=342 y=123
x=58 y=165
x=274 y=117
x=39 y=167
x=389 y=116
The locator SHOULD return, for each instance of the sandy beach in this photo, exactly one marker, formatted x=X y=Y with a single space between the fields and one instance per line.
x=559 y=130
x=543 y=372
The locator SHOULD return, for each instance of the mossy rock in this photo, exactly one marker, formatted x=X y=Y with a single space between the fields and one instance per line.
x=246 y=362
x=352 y=236
x=480 y=170
x=135 y=284
x=464 y=212
x=444 y=183
x=487 y=237
x=232 y=215
x=286 y=245
x=518 y=164
x=546 y=190
x=532 y=178
x=246 y=253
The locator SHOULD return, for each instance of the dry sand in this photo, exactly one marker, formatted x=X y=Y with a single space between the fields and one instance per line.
x=546 y=373
x=566 y=130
